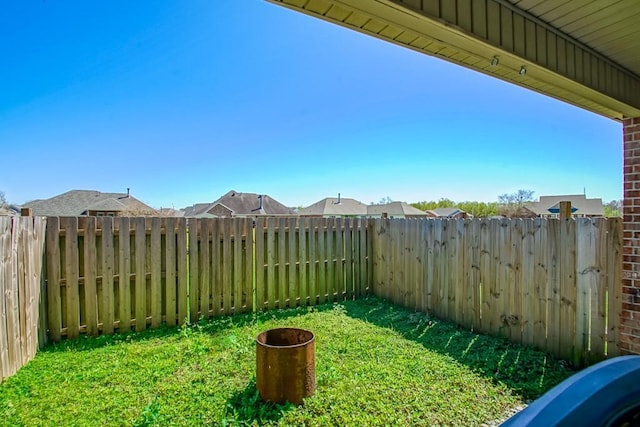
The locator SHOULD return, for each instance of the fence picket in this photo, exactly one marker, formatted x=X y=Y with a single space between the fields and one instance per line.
x=90 y=272
x=140 y=300
x=168 y=291
x=72 y=320
x=124 y=274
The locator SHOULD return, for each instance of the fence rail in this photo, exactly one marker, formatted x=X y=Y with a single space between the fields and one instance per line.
x=553 y=284
x=21 y=250
x=107 y=274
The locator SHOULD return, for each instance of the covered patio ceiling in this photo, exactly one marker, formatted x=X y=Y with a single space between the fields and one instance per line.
x=584 y=52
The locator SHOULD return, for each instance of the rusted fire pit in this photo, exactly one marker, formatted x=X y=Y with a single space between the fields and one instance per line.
x=285 y=365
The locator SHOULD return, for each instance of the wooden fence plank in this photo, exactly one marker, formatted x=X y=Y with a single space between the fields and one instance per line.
x=281 y=262
x=303 y=261
x=124 y=274
x=586 y=270
x=194 y=271
x=90 y=272
x=39 y=273
x=348 y=259
x=291 y=257
x=54 y=304
x=540 y=299
x=322 y=263
x=249 y=266
x=170 y=298
x=494 y=279
x=313 y=262
x=406 y=264
x=237 y=265
x=339 y=257
x=216 y=287
x=204 y=282
x=6 y=265
x=599 y=294
x=22 y=257
x=331 y=259
x=227 y=262
x=568 y=289
x=107 y=307
x=515 y=283
x=271 y=283
x=72 y=318
x=467 y=304
x=183 y=270
x=140 y=274
x=528 y=280
x=365 y=256
x=458 y=297
x=553 y=283
x=260 y=263
x=156 y=273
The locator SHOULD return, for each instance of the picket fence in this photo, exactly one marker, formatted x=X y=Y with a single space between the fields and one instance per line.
x=553 y=284
x=106 y=274
x=21 y=249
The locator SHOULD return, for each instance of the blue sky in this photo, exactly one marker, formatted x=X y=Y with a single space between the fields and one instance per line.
x=182 y=101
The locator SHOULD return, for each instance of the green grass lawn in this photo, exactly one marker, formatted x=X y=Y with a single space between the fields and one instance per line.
x=376 y=364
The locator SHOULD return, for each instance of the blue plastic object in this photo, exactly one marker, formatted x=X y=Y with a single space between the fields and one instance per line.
x=605 y=394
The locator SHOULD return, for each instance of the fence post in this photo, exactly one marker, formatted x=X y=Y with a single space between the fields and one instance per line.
x=565 y=210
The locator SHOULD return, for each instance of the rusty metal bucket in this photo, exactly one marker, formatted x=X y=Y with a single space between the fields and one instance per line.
x=285 y=365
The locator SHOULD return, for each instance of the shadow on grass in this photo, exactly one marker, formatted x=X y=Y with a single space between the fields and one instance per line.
x=213 y=325
x=526 y=371
x=245 y=407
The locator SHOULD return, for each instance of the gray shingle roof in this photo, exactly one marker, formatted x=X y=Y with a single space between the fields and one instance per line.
x=331 y=207
x=445 y=212
x=78 y=202
x=240 y=204
x=395 y=208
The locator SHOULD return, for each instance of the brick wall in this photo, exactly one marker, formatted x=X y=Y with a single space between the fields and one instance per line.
x=630 y=327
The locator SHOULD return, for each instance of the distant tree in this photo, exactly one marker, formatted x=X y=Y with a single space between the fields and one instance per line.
x=385 y=200
x=3 y=200
x=477 y=209
x=512 y=204
x=613 y=208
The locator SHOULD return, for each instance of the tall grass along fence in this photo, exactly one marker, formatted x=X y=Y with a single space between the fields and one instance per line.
x=106 y=274
x=21 y=250
x=554 y=284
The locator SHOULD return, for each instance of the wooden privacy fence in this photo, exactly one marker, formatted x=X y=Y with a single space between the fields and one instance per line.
x=106 y=274
x=21 y=254
x=553 y=284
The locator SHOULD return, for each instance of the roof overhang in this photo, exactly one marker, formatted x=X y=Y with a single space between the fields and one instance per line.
x=514 y=40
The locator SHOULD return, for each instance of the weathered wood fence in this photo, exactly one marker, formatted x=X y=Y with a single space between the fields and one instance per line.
x=21 y=250
x=554 y=284
x=106 y=274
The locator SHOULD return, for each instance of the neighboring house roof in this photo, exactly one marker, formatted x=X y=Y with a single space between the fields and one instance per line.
x=170 y=212
x=445 y=212
x=8 y=210
x=79 y=202
x=395 y=209
x=334 y=206
x=580 y=205
x=234 y=203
